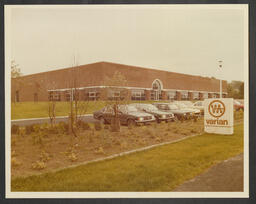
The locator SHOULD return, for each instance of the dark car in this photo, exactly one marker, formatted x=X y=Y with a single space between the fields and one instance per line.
x=127 y=114
x=159 y=115
x=172 y=108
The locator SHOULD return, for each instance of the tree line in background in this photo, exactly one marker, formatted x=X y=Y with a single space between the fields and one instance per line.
x=235 y=89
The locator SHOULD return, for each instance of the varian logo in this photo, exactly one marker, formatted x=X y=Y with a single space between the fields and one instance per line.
x=216 y=108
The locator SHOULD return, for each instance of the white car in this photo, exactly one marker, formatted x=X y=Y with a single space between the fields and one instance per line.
x=199 y=105
x=194 y=111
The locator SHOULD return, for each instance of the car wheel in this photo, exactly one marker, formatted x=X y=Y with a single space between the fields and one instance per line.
x=102 y=120
x=131 y=123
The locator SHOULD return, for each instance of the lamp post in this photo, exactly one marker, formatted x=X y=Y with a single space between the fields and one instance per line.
x=220 y=68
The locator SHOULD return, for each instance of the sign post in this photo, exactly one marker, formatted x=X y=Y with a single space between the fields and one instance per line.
x=219 y=116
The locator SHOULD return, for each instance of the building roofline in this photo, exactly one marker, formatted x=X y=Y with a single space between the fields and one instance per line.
x=122 y=65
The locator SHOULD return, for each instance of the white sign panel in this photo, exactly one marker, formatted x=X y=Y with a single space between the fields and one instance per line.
x=219 y=116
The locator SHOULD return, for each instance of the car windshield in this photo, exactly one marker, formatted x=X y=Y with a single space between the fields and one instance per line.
x=164 y=107
x=173 y=107
x=182 y=105
x=131 y=109
x=150 y=107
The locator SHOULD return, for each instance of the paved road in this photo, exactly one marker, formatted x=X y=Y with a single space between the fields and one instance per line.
x=225 y=176
x=22 y=122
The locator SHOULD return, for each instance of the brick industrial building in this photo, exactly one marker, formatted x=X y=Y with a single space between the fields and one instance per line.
x=91 y=84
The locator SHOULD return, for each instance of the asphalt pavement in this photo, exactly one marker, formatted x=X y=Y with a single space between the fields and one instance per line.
x=227 y=176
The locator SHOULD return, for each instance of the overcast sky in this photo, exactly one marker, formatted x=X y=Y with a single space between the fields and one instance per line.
x=186 y=39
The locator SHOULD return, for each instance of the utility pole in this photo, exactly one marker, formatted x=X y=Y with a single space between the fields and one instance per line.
x=220 y=69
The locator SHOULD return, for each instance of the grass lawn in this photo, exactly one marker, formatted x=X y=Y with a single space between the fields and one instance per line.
x=159 y=169
x=40 y=109
x=23 y=110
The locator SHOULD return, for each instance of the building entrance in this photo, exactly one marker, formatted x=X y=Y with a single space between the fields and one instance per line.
x=157 y=87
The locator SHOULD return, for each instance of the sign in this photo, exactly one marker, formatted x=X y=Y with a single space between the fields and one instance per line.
x=219 y=116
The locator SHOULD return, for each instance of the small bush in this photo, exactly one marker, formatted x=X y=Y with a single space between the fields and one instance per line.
x=22 y=131
x=83 y=125
x=14 y=129
x=15 y=162
x=54 y=129
x=13 y=153
x=44 y=156
x=100 y=150
x=13 y=142
x=158 y=139
x=124 y=145
x=29 y=129
x=36 y=128
x=38 y=165
x=193 y=131
x=97 y=126
x=72 y=156
x=37 y=138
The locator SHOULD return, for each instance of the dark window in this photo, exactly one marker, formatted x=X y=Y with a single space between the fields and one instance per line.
x=171 y=95
x=67 y=95
x=17 y=96
x=205 y=95
x=184 y=95
x=138 y=95
x=115 y=95
x=54 y=96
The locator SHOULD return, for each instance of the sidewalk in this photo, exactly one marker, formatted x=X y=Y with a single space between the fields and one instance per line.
x=225 y=176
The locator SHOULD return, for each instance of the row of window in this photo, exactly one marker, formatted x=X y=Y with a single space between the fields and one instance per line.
x=137 y=95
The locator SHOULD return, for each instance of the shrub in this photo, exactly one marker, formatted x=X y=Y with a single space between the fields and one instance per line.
x=193 y=131
x=97 y=126
x=72 y=156
x=38 y=165
x=22 y=131
x=15 y=162
x=29 y=129
x=83 y=125
x=53 y=129
x=14 y=129
x=124 y=145
x=36 y=128
x=44 y=157
x=158 y=139
x=13 y=153
x=100 y=150
x=38 y=138
x=13 y=142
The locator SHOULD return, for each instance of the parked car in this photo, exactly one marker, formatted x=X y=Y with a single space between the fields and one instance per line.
x=199 y=105
x=172 y=108
x=238 y=105
x=194 y=112
x=128 y=115
x=159 y=115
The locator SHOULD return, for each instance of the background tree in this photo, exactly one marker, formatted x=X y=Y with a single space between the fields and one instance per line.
x=235 y=89
x=17 y=81
x=116 y=96
x=15 y=70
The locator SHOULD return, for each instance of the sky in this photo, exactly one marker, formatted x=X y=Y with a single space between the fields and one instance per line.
x=187 y=39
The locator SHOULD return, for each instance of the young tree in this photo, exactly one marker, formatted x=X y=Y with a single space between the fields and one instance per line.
x=117 y=96
x=15 y=70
